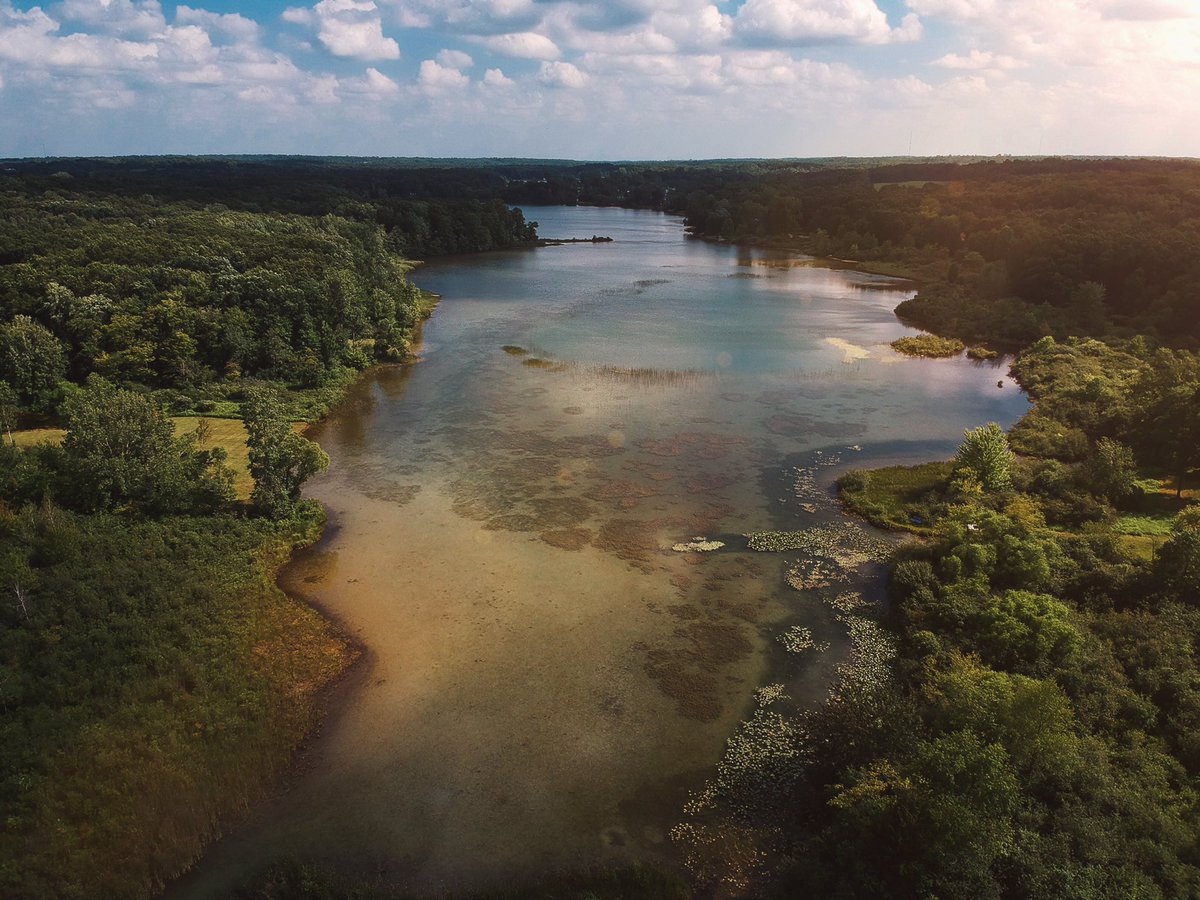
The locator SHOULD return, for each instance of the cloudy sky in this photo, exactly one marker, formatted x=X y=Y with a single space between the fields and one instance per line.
x=621 y=79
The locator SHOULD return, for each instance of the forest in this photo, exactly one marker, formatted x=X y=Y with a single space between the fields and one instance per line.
x=153 y=679
x=1034 y=729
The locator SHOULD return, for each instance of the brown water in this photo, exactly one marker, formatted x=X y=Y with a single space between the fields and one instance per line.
x=546 y=678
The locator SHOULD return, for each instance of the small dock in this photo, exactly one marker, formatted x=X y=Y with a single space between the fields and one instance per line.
x=555 y=242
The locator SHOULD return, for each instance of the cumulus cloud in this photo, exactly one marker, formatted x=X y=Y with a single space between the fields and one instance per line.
x=1149 y=10
x=232 y=26
x=351 y=28
x=433 y=76
x=650 y=75
x=375 y=82
x=561 y=75
x=480 y=17
x=455 y=59
x=642 y=40
x=103 y=69
x=977 y=59
x=706 y=27
x=799 y=22
x=497 y=79
x=524 y=45
x=1076 y=33
x=696 y=73
x=121 y=17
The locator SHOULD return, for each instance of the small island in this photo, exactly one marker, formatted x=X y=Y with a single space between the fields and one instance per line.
x=929 y=346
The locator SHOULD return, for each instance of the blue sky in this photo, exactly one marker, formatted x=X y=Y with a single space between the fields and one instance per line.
x=623 y=79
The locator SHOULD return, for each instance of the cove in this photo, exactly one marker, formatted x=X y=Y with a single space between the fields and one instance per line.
x=544 y=678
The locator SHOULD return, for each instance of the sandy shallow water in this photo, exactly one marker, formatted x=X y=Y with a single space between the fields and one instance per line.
x=544 y=678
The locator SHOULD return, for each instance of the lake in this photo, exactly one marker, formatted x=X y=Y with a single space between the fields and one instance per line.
x=544 y=678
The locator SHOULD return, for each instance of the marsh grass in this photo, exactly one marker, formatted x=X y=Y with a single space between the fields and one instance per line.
x=929 y=346
x=904 y=498
x=164 y=677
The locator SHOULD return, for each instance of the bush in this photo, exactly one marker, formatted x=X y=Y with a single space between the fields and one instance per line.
x=854 y=482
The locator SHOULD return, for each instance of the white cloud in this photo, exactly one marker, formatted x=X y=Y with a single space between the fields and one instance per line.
x=978 y=59
x=351 y=28
x=436 y=77
x=455 y=59
x=561 y=75
x=1076 y=33
x=299 y=15
x=1147 y=10
x=478 y=17
x=524 y=45
x=233 y=26
x=123 y=17
x=322 y=89
x=496 y=78
x=375 y=82
x=706 y=27
x=643 y=40
x=650 y=77
x=798 y=22
x=696 y=73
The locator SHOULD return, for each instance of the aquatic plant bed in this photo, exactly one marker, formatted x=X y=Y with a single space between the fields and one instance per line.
x=847 y=545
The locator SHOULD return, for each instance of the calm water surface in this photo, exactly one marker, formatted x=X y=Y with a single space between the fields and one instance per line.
x=545 y=679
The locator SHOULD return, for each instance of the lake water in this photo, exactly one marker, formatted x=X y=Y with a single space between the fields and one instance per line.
x=545 y=678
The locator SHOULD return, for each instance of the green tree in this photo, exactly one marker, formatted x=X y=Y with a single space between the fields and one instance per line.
x=280 y=460
x=1167 y=398
x=933 y=824
x=1024 y=632
x=1111 y=470
x=985 y=457
x=8 y=411
x=1177 y=565
x=121 y=451
x=32 y=361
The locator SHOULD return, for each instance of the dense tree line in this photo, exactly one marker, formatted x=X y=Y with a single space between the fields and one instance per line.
x=424 y=211
x=1007 y=251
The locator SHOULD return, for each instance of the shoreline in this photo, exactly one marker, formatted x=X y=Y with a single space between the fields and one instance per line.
x=328 y=702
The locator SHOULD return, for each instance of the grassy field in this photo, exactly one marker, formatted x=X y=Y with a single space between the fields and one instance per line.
x=1144 y=526
x=30 y=437
x=227 y=433
x=896 y=497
